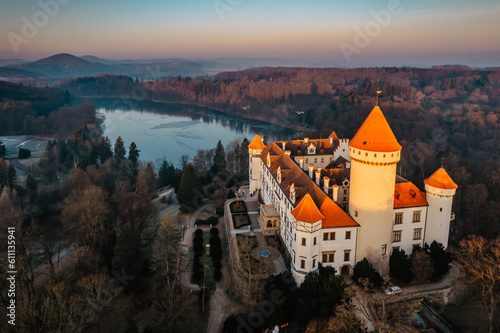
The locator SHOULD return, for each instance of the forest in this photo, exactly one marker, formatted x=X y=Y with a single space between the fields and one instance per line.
x=449 y=112
x=40 y=111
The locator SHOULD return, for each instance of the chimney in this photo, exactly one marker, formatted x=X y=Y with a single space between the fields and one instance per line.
x=301 y=162
x=292 y=193
x=283 y=145
x=335 y=193
x=331 y=140
x=326 y=184
x=311 y=170
x=278 y=176
x=306 y=140
x=318 y=175
x=348 y=164
x=288 y=153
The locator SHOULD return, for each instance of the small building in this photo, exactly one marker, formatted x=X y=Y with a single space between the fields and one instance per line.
x=269 y=219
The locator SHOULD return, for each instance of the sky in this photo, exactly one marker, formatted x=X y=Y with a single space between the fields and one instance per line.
x=342 y=33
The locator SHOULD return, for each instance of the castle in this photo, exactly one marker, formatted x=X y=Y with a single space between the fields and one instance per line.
x=334 y=201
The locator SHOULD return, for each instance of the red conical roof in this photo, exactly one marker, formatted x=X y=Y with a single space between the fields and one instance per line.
x=375 y=134
x=307 y=211
x=256 y=143
x=441 y=179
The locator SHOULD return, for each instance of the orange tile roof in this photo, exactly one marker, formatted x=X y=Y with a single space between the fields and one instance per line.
x=441 y=179
x=256 y=143
x=375 y=134
x=307 y=211
x=408 y=195
x=334 y=216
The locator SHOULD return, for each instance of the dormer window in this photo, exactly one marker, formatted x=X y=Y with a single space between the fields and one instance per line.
x=292 y=193
x=268 y=160
x=311 y=149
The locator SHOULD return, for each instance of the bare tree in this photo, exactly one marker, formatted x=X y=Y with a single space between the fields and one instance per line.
x=480 y=259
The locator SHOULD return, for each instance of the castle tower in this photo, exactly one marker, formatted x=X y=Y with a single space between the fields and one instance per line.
x=440 y=190
x=255 y=148
x=308 y=223
x=374 y=153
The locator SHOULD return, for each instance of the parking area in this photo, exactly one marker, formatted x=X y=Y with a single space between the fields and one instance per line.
x=35 y=144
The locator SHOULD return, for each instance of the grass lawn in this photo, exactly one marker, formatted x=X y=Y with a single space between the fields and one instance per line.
x=241 y=220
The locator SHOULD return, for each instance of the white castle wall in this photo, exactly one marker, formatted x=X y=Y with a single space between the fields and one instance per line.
x=371 y=202
x=439 y=215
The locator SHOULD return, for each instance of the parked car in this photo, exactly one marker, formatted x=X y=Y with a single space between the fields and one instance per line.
x=393 y=290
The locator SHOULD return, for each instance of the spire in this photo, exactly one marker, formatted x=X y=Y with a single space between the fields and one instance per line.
x=375 y=134
x=441 y=179
x=378 y=93
x=256 y=143
x=307 y=211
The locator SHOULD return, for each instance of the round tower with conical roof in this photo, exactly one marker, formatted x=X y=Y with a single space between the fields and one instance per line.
x=255 y=148
x=440 y=189
x=374 y=153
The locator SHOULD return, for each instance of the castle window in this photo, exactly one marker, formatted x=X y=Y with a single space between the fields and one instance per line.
x=329 y=236
x=374 y=155
x=314 y=263
x=396 y=236
x=384 y=249
x=417 y=233
x=398 y=219
x=302 y=263
x=415 y=247
x=314 y=242
x=328 y=256
x=307 y=160
x=395 y=248
x=356 y=213
x=345 y=191
x=416 y=216
x=347 y=255
x=384 y=155
x=441 y=209
x=366 y=154
x=392 y=155
x=347 y=235
x=322 y=159
x=315 y=160
x=303 y=242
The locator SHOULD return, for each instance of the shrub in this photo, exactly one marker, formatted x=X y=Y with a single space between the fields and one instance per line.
x=197 y=239
x=212 y=220
x=440 y=258
x=197 y=276
x=400 y=266
x=214 y=231
x=198 y=232
x=217 y=275
x=215 y=242
x=197 y=267
x=364 y=269
x=24 y=153
x=198 y=248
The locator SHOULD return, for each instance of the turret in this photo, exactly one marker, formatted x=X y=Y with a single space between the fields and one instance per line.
x=374 y=153
x=255 y=148
x=308 y=223
x=440 y=190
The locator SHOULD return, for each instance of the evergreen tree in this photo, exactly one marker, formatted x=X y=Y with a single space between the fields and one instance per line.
x=31 y=187
x=104 y=149
x=11 y=176
x=400 y=266
x=440 y=258
x=189 y=182
x=219 y=164
x=119 y=150
x=3 y=150
x=364 y=269
x=67 y=97
x=133 y=153
x=319 y=294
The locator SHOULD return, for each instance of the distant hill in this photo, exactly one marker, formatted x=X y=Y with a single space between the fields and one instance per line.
x=8 y=62
x=63 y=65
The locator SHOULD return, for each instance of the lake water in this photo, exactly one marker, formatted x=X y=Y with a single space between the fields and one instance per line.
x=163 y=130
